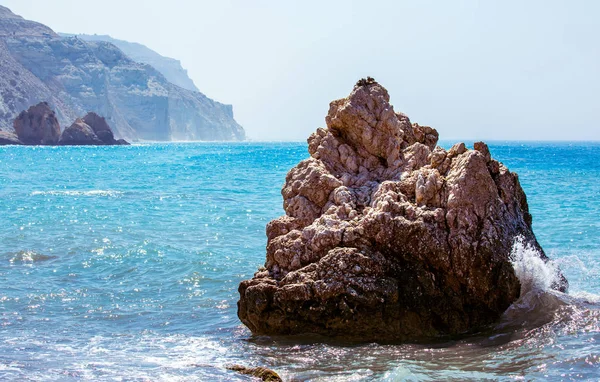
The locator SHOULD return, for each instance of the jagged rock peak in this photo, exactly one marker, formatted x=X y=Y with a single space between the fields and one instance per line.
x=366 y=81
x=387 y=236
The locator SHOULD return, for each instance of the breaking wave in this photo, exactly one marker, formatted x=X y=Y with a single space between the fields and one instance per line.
x=106 y=193
x=533 y=272
x=539 y=304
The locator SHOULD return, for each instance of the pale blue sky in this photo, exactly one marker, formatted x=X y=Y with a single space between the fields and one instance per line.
x=471 y=69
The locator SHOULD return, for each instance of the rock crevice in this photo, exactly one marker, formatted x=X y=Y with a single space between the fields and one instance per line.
x=388 y=236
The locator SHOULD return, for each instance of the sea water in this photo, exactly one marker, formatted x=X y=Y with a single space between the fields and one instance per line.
x=122 y=263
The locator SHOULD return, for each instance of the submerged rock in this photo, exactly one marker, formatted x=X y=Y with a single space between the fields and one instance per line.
x=263 y=373
x=387 y=236
x=37 y=125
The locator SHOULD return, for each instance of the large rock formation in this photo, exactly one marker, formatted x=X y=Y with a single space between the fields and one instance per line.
x=75 y=76
x=37 y=126
x=386 y=236
x=79 y=134
x=89 y=130
x=100 y=128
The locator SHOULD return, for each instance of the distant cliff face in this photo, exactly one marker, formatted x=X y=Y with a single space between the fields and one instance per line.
x=168 y=67
x=76 y=76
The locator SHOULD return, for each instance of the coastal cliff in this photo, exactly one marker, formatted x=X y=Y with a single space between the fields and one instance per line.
x=168 y=67
x=387 y=236
x=76 y=76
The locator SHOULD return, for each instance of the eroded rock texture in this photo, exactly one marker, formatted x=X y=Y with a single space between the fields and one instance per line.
x=79 y=133
x=37 y=125
x=89 y=130
x=387 y=236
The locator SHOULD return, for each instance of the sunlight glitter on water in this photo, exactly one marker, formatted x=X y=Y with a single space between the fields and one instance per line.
x=129 y=270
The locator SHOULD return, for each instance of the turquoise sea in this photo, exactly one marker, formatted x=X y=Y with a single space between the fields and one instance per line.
x=122 y=263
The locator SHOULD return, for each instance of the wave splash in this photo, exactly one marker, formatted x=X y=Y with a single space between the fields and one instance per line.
x=533 y=272
x=539 y=303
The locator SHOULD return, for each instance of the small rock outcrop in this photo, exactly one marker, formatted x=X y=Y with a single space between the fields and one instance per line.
x=100 y=128
x=37 y=125
x=261 y=373
x=387 y=236
x=89 y=130
x=79 y=133
x=7 y=138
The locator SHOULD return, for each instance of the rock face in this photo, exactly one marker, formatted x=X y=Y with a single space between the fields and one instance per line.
x=168 y=67
x=75 y=76
x=386 y=236
x=79 y=133
x=100 y=128
x=7 y=138
x=89 y=130
x=37 y=126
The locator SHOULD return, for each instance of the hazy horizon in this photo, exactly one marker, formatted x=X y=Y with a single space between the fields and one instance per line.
x=489 y=71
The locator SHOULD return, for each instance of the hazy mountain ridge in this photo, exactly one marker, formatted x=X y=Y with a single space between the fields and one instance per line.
x=76 y=76
x=16 y=26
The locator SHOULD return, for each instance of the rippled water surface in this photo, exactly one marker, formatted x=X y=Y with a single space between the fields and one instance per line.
x=122 y=263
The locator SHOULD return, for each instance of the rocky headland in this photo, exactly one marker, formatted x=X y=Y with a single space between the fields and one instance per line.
x=168 y=67
x=387 y=236
x=74 y=76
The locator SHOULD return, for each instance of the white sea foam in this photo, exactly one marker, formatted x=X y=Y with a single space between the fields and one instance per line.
x=107 y=193
x=533 y=272
x=539 y=304
x=538 y=301
x=586 y=297
x=401 y=373
x=29 y=257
